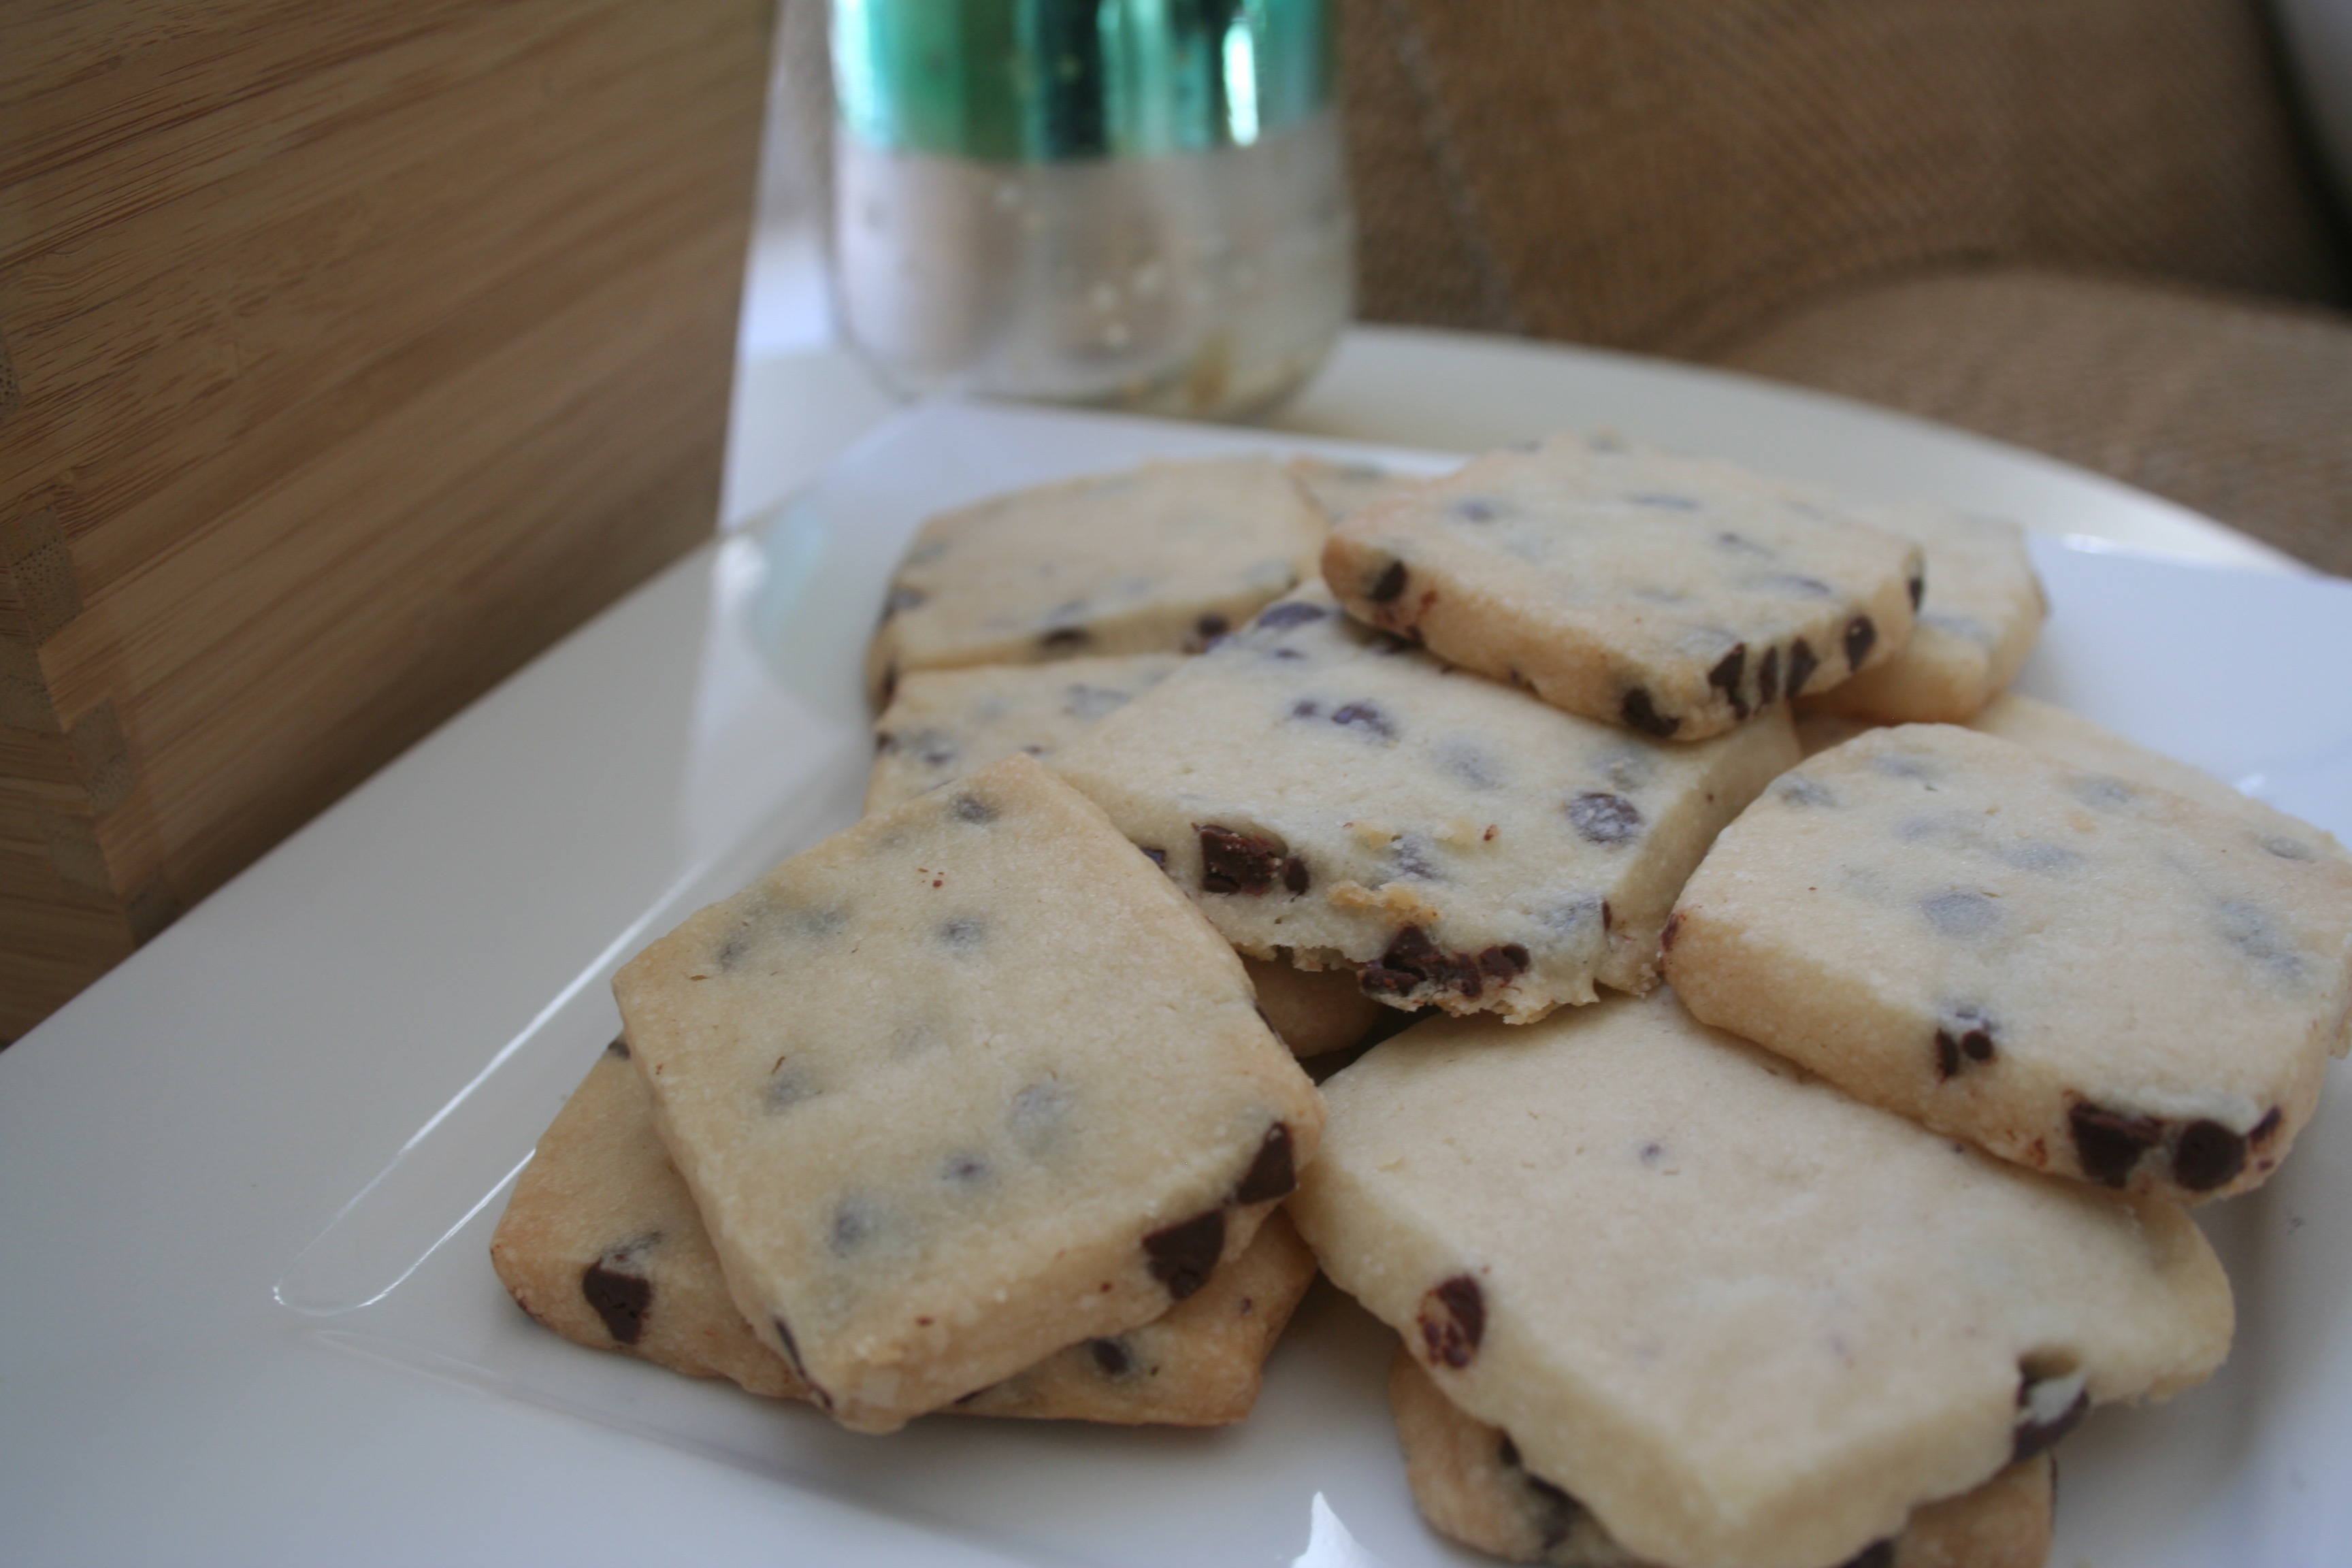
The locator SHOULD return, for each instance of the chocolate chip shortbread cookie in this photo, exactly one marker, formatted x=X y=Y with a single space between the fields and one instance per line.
x=944 y=723
x=941 y=724
x=1674 y=594
x=1745 y=1319
x=1982 y=612
x=1470 y=1482
x=2083 y=976
x=961 y=1085
x=601 y=1243
x=1160 y=558
x=1323 y=788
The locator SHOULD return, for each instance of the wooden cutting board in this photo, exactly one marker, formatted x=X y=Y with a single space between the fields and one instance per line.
x=349 y=354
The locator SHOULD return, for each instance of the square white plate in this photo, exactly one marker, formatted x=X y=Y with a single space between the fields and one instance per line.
x=755 y=741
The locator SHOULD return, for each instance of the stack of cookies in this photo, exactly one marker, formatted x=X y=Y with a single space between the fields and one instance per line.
x=985 y=1104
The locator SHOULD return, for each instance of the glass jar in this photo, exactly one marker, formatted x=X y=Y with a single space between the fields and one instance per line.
x=1139 y=204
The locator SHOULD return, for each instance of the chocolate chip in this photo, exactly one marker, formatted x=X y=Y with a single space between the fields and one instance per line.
x=2265 y=1130
x=1368 y=717
x=1413 y=961
x=1724 y=677
x=1918 y=592
x=791 y=1346
x=2045 y=1413
x=1157 y=856
x=1183 y=1255
x=1272 y=1173
x=1603 y=818
x=1292 y=613
x=937 y=750
x=1036 y=1117
x=1504 y=962
x=1411 y=852
x=788 y=1085
x=1800 y=791
x=1210 y=626
x=1293 y=876
x=1960 y=912
x=1110 y=1357
x=2207 y=1155
x=1801 y=665
x=1466 y=762
x=619 y=1048
x=1768 y=677
x=1387 y=584
x=2247 y=927
x=2107 y=1143
x=971 y=808
x=1859 y=636
x=2107 y=794
x=1234 y=862
x=1642 y=714
x=2048 y=859
x=793 y=1356
x=621 y=1299
x=1452 y=1320
x=1965 y=1037
x=853 y=1222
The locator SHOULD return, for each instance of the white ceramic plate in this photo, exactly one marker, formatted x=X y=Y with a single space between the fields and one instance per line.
x=2189 y=659
x=246 y=1183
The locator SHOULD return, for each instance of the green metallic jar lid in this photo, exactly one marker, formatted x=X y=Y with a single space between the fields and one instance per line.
x=1037 y=81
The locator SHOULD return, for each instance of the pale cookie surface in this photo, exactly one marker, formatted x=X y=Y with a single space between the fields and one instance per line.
x=2070 y=738
x=2083 y=976
x=2076 y=740
x=1746 y=1320
x=1674 y=594
x=1470 y=1483
x=961 y=1085
x=942 y=724
x=601 y=1243
x=1343 y=489
x=1159 y=559
x=1325 y=789
x=1982 y=614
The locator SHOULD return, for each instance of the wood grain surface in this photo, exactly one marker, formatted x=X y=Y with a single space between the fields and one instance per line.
x=349 y=354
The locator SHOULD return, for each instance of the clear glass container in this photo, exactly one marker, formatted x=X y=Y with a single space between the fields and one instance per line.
x=1139 y=203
